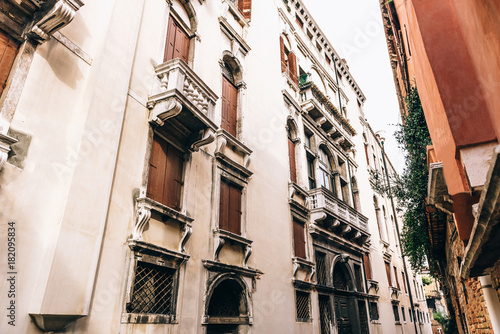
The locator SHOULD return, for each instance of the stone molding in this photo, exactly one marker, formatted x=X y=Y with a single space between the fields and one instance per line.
x=5 y=143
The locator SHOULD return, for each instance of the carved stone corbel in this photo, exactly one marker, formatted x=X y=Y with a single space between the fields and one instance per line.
x=207 y=136
x=5 y=144
x=318 y=216
x=246 y=160
x=221 y=144
x=344 y=257
x=248 y=252
x=187 y=230
x=311 y=274
x=219 y=242
x=164 y=110
x=58 y=16
x=296 y=267
x=143 y=216
x=321 y=120
x=346 y=229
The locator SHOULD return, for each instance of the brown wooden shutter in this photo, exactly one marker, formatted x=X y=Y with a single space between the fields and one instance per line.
x=283 y=56
x=367 y=156
x=396 y=277
x=170 y=43
x=177 y=44
x=234 y=209
x=292 y=63
x=157 y=168
x=173 y=178
x=8 y=52
x=229 y=106
x=165 y=174
x=224 y=206
x=299 y=240
x=404 y=281
x=245 y=8
x=368 y=270
x=388 y=272
x=291 y=156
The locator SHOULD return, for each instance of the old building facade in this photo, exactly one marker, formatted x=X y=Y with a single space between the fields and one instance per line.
x=191 y=167
x=449 y=50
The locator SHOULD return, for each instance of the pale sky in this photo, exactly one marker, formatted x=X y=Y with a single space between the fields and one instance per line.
x=354 y=28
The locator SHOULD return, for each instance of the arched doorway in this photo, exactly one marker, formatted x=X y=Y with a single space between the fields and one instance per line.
x=345 y=312
x=227 y=307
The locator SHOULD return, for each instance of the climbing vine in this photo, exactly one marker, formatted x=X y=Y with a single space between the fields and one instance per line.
x=410 y=189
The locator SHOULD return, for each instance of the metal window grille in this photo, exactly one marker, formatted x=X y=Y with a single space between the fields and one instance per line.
x=321 y=268
x=325 y=314
x=359 y=279
x=395 y=309
x=374 y=311
x=153 y=290
x=302 y=304
x=226 y=300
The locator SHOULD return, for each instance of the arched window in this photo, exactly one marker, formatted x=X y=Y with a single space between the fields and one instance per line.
x=326 y=177
x=381 y=226
x=288 y=61
x=229 y=98
x=344 y=181
x=228 y=300
x=355 y=192
x=292 y=139
x=181 y=26
x=341 y=278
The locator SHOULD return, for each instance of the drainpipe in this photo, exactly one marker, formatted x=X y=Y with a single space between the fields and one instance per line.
x=492 y=303
x=399 y=237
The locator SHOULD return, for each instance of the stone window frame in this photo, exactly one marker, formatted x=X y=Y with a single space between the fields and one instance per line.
x=145 y=252
x=309 y=295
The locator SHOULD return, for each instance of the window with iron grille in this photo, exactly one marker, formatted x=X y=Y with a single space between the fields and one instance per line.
x=325 y=314
x=395 y=309
x=403 y=313
x=321 y=268
x=374 y=311
x=152 y=290
x=303 y=305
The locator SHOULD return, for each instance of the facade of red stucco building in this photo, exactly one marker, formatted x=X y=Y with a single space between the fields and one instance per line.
x=449 y=50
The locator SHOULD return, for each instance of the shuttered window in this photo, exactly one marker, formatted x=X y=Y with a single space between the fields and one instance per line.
x=291 y=157
x=396 y=277
x=288 y=62
x=245 y=8
x=230 y=207
x=368 y=269
x=299 y=240
x=404 y=281
x=229 y=106
x=165 y=174
x=8 y=51
x=388 y=272
x=177 y=45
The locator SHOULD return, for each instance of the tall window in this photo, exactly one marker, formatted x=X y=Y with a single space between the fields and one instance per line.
x=368 y=269
x=404 y=281
x=326 y=178
x=310 y=173
x=8 y=51
x=396 y=277
x=395 y=310
x=177 y=45
x=388 y=272
x=244 y=7
x=291 y=158
x=288 y=62
x=230 y=207
x=229 y=101
x=299 y=240
x=165 y=173
x=344 y=184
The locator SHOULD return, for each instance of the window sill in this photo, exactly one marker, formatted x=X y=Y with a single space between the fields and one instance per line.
x=135 y=318
x=148 y=203
x=306 y=265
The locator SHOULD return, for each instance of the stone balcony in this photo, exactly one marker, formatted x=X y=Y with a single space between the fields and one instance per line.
x=333 y=218
x=184 y=105
x=325 y=114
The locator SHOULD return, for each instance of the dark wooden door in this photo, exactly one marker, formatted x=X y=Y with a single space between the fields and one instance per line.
x=342 y=315
x=229 y=106
x=363 y=317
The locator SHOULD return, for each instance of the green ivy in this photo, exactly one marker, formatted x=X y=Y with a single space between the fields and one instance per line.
x=410 y=189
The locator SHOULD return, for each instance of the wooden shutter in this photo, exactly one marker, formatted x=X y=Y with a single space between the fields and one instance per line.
x=173 y=178
x=8 y=52
x=165 y=174
x=292 y=64
x=245 y=8
x=234 y=219
x=388 y=272
x=367 y=156
x=396 y=277
x=283 y=56
x=229 y=106
x=291 y=156
x=224 y=206
x=368 y=270
x=404 y=281
x=177 y=44
x=299 y=240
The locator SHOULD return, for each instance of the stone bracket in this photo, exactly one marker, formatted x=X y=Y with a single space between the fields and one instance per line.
x=221 y=237
x=5 y=143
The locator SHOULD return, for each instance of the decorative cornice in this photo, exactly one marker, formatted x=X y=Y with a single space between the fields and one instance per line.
x=5 y=143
